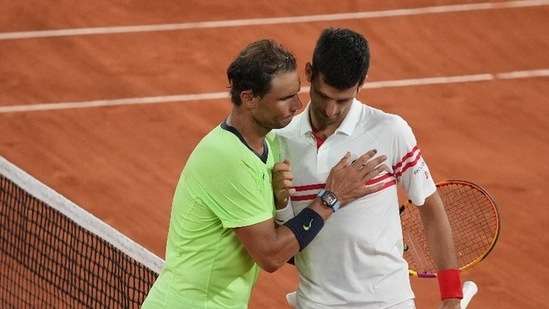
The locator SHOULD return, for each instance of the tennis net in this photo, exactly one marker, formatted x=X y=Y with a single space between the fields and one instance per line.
x=54 y=254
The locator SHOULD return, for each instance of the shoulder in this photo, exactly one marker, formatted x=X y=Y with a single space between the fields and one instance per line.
x=372 y=117
x=218 y=149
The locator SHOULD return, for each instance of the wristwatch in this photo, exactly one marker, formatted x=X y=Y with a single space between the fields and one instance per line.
x=329 y=199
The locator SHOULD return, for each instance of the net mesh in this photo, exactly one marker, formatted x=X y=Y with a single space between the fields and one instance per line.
x=48 y=260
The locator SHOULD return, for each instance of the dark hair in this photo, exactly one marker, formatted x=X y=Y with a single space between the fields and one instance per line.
x=255 y=66
x=342 y=57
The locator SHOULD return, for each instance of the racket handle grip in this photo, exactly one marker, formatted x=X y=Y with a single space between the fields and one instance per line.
x=469 y=290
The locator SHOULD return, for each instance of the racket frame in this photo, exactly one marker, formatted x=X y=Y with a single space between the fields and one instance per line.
x=408 y=203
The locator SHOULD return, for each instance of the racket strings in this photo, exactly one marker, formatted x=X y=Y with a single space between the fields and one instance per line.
x=475 y=226
x=416 y=251
x=473 y=219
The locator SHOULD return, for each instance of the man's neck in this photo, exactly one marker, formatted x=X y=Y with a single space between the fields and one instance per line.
x=322 y=132
x=253 y=134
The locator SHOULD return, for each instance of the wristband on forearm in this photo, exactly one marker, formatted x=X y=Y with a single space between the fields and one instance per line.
x=283 y=215
x=449 y=283
x=305 y=226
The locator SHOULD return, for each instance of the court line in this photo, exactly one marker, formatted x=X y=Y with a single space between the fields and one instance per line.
x=271 y=21
x=225 y=95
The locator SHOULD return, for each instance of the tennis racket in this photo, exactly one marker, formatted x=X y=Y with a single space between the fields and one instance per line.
x=470 y=289
x=475 y=223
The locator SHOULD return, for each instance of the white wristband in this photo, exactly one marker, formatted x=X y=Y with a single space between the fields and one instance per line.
x=284 y=214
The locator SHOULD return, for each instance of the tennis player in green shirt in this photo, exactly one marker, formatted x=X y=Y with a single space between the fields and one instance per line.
x=222 y=228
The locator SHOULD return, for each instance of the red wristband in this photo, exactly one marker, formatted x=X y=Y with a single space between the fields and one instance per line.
x=449 y=283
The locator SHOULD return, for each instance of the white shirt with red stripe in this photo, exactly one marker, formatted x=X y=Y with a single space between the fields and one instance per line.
x=356 y=260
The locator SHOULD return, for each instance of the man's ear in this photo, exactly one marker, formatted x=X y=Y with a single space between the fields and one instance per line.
x=308 y=71
x=248 y=99
x=362 y=84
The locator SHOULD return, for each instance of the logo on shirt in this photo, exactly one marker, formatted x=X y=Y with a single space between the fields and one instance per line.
x=419 y=168
x=307 y=227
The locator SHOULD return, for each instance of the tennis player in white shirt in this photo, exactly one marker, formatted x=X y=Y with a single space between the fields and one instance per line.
x=356 y=261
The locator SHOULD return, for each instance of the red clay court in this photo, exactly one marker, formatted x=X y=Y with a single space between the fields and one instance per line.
x=104 y=102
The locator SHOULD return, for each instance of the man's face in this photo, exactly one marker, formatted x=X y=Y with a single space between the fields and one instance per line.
x=329 y=105
x=277 y=108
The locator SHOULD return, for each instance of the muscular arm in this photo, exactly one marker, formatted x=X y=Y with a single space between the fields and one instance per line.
x=439 y=236
x=271 y=246
x=438 y=232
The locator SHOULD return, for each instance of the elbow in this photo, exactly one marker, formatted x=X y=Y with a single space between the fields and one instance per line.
x=270 y=268
x=271 y=264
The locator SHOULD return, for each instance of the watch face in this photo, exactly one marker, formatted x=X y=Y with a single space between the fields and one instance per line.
x=329 y=198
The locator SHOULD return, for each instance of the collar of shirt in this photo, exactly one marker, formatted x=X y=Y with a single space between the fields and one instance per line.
x=347 y=126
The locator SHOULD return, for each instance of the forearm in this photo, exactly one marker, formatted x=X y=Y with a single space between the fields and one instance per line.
x=439 y=237
x=438 y=232
x=282 y=250
x=272 y=247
